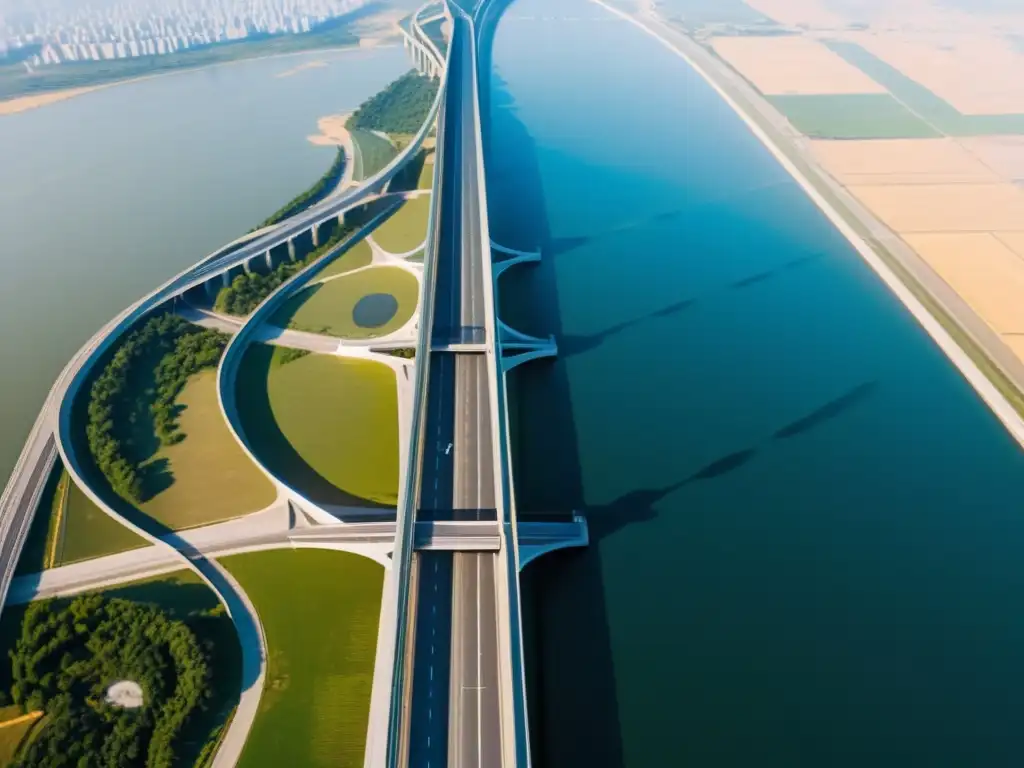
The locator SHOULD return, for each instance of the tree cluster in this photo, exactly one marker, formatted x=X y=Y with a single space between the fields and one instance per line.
x=402 y=107
x=407 y=353
x=67 y=657
x=248 y=290
x=314 y=194
x=177 y=349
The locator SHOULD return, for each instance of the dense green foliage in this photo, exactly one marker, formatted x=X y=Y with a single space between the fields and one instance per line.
x=314 y=194
x=402 y=107
x=405 y=352
x=167 y=348
x=248 y=290
x=67 y=657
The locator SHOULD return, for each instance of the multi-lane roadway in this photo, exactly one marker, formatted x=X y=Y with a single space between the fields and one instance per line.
x=455 y=714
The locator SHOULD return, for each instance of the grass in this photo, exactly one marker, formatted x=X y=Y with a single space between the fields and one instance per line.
x=183 y=595
x=11 y=736
x=69 y=528
x=359 y=255
x=341 y=307
x=930 y=107
x=320 y=611
x=426 y=180
x=406 y=229
x=325 y=425
x=212 y=478
x=852 y=116
x=372 y=154
x=87 y=531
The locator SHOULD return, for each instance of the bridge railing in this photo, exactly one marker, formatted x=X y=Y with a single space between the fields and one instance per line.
x=409 y=492
x=516 y=674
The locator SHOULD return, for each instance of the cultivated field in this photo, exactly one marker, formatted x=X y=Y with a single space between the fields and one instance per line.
x=14 y=727
x=361 y=305
x=359 y=255
x=320 y=611
x=926 y=161
x=792 y=65
x=211 y=477
x=325 y=425
x=373 y=152
x=853 y=116
x=406 y=229
x=426 y=180
x=908 y=208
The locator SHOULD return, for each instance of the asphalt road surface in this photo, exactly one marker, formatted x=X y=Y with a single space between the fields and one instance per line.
x=474 y=731
x=428 y=731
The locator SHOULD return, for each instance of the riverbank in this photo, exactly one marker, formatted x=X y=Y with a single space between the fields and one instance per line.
x=23 y=103
x=951 y=331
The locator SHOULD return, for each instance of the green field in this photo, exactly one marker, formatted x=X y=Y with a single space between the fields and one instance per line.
x=406 y=229
x=89 y=532
x=852 y=116
x=363 y=305
x=183 y=595
x=933 y=110
x=372 y=154
x=359 y=255
x=69 y=528
x=325 y=425
x=319 y=610
x=426 y=180
x=12 y=735
x=211 y=478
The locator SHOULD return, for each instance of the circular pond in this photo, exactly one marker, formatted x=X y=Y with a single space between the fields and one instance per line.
x=374 y=310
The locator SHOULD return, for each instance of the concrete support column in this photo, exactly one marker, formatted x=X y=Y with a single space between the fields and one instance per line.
x=225 y=278
x=315 y=232
x=269 y=258
x=291 y=249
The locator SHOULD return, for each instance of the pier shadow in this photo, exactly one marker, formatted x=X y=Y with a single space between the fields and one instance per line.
x=574 y=712
x=572 y=344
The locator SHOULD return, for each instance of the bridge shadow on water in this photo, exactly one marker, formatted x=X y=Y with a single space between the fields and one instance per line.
x=574 y=713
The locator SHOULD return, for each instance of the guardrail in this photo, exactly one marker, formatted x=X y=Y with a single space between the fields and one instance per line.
x=409 y=495
x=516 y=674
x=227 y=370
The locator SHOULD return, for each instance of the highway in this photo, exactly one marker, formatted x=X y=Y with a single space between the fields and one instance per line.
x=455 y=712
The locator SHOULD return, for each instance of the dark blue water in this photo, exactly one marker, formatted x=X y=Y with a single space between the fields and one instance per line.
x=808 y=531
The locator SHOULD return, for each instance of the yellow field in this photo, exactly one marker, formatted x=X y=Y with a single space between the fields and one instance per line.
x=978 y=74
x=1004 y=154
x=792 y=65
x=901 y=161
x=910 y=208
x=983 y=270
x=1012 y=240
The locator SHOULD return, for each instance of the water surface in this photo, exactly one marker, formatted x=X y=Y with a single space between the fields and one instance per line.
x=105 y=196
x=807 y=534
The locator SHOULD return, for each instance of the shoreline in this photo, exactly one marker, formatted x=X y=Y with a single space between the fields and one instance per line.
x=957 y=355
x=28 y=102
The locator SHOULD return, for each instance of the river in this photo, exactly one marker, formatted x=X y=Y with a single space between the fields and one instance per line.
x=105 y=196
x=807 y=530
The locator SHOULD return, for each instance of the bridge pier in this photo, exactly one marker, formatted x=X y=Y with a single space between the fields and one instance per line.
x=269 y=259
x=291 y=249
x=315 y=234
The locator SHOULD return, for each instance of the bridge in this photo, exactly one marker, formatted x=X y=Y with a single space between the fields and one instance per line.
x=454 y=544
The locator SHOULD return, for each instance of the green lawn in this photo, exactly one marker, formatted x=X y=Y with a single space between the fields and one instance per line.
x=372 y=154
x=69 y=528
x=426 y=180
x=319 y=610
x=852 y=116
x=325 y=425
x=406 y=229
x=210 y=477
x=359 y=255
x=183 y=595
x=363 y=305
x=933 y=109
x=87 y=531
